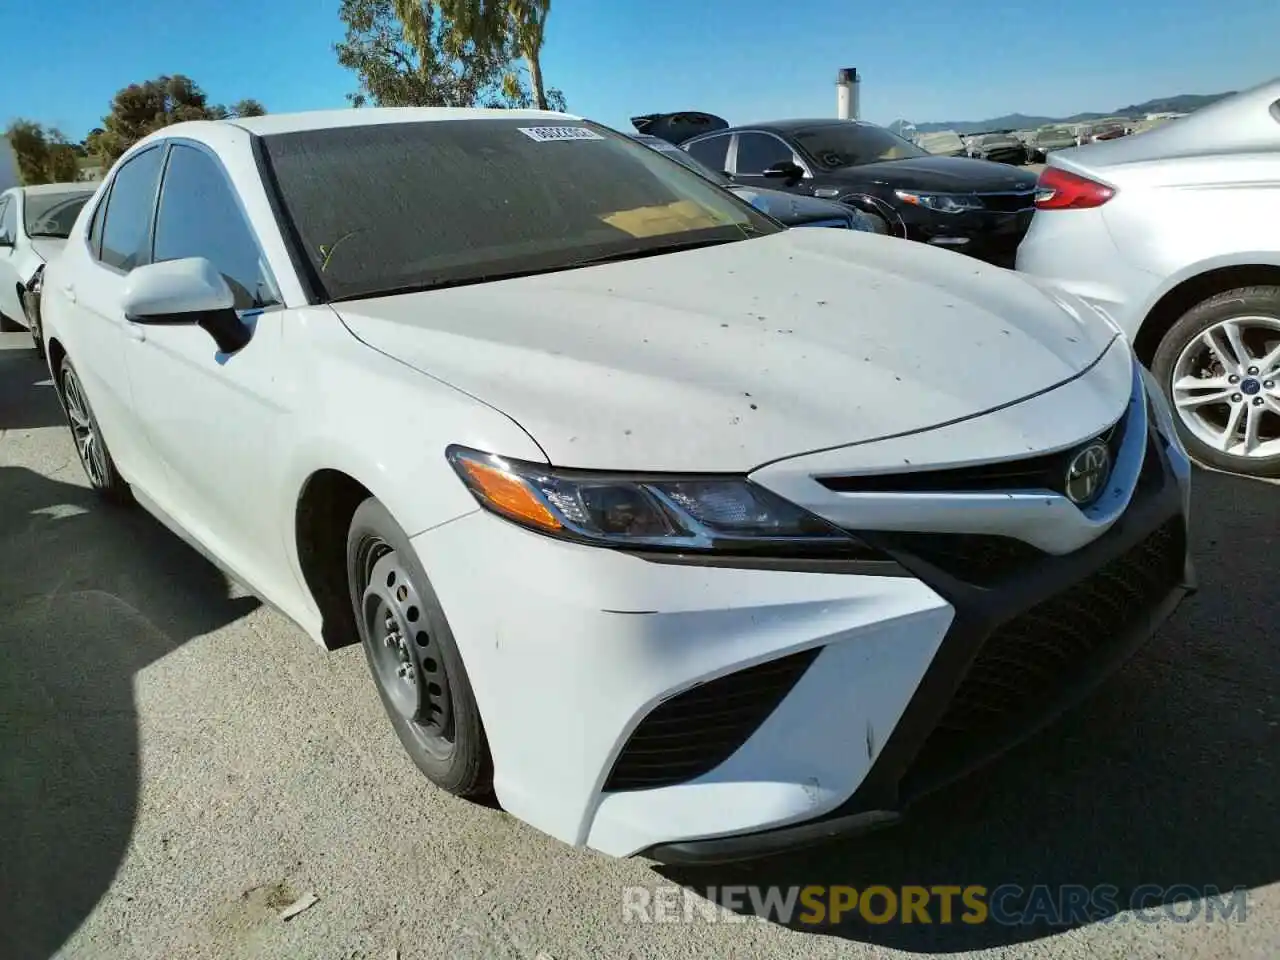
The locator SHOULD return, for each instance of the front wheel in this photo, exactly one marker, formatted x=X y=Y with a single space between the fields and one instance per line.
x=412 y=655
x=1219 y=365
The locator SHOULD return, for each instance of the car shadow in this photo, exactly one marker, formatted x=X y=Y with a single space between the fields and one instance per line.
x=89 y=596
x=1164 y=780
x=24 y=378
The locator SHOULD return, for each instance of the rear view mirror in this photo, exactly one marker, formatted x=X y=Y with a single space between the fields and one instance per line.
x=188 y=291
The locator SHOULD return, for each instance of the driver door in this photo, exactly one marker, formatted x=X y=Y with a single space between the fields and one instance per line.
x=213 y=418
x=757 y=152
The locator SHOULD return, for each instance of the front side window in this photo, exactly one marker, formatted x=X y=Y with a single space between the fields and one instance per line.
x=712 y=152
x=391 y=208
x=200 y=217
x=757 y=152
x=53 y=214
x=845 y=144
x=128 y=217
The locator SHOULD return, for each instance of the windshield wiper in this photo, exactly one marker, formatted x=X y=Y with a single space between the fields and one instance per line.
x=41 y=235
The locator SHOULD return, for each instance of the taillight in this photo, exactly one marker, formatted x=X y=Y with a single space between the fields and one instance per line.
x=1060 y=190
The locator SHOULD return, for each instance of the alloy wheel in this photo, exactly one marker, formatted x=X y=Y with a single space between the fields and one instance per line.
x=1225 y=386
x=84 y=430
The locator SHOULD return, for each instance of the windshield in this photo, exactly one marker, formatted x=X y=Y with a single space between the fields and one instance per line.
x=53 y=214
x=852 y=144
x=390 y=208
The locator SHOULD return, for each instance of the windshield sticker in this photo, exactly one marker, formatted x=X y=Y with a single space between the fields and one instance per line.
x=551 y=134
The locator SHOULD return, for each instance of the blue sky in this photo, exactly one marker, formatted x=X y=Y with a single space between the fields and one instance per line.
x=745 y=59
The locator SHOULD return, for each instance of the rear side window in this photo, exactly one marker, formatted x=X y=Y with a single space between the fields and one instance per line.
x=200 y=217
x=711 y=152
x=6 y=230
x=129 y=208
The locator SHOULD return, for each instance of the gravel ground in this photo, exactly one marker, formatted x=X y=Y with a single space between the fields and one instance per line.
x=180 y=763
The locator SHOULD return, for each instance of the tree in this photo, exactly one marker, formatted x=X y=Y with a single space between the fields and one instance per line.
x=31 y=150
x=142 y=108
x=518 y=25
x=413 y=58
x=62 y=165
x=248 y=108
x=408 y=53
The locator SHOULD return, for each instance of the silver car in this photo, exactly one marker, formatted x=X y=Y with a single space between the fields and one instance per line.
x=1174 y=234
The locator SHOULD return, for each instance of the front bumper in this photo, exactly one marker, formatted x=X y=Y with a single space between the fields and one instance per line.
x=694 y=712
x=989 y=235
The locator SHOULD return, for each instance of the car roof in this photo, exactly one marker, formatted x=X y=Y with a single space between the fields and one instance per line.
x=69 y=187
x=792 y=125
x=273 y=123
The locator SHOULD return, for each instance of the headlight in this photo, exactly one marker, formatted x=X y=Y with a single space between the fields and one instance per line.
x=688 y=514
x=940 y=202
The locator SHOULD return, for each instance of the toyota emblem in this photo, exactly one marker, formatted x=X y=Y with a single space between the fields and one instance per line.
x=1087 y=473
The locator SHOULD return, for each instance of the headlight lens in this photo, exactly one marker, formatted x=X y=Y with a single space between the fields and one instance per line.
x=940 y=202
x=687 y=514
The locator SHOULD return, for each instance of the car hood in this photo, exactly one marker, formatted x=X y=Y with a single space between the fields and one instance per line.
x=790 y=208
x=954 y=174
x=728 y=357
x=47 y=247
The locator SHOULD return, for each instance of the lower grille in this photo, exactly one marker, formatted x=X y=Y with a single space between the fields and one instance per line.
x=694 y=732
x=1022 y=668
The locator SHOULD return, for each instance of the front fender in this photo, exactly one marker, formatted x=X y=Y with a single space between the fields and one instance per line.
x=385 y=425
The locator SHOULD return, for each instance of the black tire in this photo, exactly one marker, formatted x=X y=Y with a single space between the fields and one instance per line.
x=100 y=469
x=1261 y=301
x=32 y=310
x=8 y=325
x=435 y=716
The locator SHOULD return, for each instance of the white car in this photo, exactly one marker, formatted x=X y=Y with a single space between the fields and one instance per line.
x=691 y=535
x=1172 y=232
x=34 y=223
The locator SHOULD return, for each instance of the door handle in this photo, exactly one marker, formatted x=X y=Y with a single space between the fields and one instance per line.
x=70 y=292
x=135 y=331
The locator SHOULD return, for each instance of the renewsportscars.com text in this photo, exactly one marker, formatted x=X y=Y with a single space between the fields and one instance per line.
x=1007 y=904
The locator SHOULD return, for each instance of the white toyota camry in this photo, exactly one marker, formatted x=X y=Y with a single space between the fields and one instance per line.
x=687 y=534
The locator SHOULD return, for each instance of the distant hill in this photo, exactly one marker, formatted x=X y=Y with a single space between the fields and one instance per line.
x=1183 y=103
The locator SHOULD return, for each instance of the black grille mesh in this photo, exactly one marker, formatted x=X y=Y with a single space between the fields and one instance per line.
x=696 y=731
x=1025 y=662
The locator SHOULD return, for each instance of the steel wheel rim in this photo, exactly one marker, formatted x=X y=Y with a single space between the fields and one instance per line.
x=1225 y=387
x=84 y=431
x=402 y=649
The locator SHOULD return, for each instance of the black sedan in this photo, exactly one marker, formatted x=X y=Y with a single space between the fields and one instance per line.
x=971 y=206
x=795 y=210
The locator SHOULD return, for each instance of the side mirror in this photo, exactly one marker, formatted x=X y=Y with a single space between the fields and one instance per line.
x=787 y=170
x=189 y=291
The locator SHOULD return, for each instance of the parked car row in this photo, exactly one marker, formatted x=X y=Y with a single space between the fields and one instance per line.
x=971 y=206
x=736 y=495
